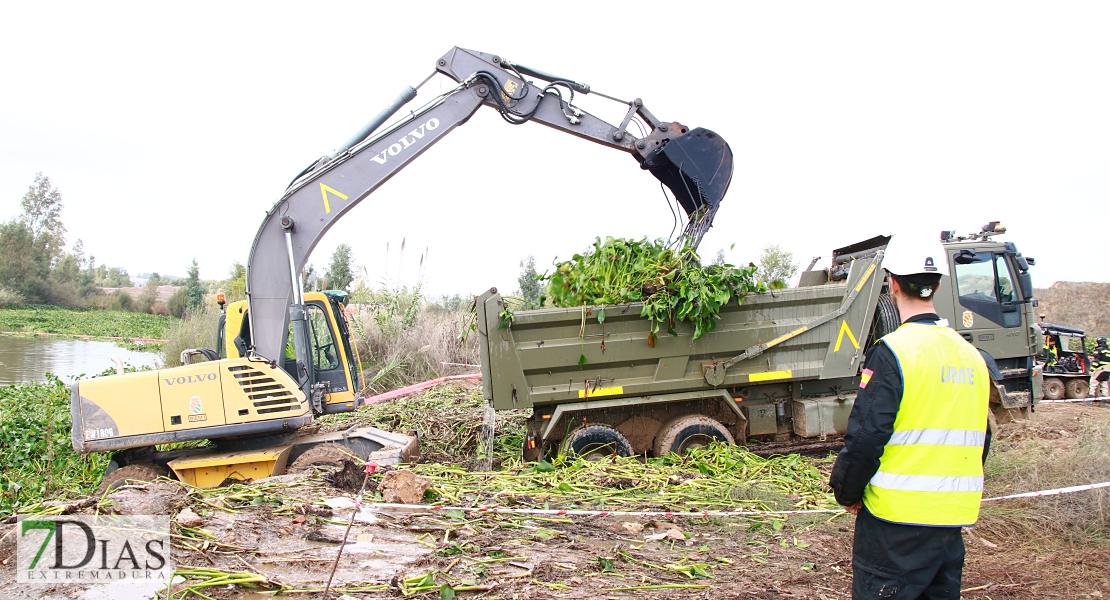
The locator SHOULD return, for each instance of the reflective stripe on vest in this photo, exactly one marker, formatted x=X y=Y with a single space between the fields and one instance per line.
x=931 y=470
x=939 y=437
x=927 y=483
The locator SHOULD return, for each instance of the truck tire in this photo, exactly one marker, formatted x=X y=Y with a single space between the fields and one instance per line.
x=136 y=472
x=1077 y=388
x=690 y=431
x=597 y=441
x=886 y=317
x=1053 y=388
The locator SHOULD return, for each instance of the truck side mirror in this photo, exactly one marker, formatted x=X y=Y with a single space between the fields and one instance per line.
x=1025 y=280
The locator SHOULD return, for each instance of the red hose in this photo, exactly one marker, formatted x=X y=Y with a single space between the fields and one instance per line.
x=416 y=387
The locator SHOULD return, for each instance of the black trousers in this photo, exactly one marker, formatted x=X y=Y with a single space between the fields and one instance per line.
x=905 y=561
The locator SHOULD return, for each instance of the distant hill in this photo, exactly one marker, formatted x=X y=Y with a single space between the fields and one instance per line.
x=1078 y=304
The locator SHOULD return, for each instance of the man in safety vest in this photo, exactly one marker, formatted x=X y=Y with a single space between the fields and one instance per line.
x=1100 y=369
x=912 y=465
x=1051 y=355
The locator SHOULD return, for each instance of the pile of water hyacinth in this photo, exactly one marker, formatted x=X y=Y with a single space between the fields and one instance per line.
x=672 y=284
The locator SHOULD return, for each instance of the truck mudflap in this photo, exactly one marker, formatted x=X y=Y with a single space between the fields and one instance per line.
x=1014 y=400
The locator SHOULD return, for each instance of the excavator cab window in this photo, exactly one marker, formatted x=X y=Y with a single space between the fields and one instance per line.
x=325 y=356
x=323 y=351
x=220 y=349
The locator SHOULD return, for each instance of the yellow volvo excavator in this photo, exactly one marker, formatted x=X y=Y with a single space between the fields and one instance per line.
x=284 y=356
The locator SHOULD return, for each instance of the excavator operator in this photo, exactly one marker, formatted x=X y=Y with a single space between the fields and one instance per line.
x=912 y=465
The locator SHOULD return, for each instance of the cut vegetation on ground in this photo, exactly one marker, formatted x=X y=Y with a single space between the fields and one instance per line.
x=282 y=534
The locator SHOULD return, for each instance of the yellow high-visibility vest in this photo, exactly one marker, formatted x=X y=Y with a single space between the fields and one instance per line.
x=931 y=471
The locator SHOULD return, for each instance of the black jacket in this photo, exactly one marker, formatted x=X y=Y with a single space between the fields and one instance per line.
x=872 y=423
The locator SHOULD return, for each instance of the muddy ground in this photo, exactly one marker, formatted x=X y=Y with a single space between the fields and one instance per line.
x=1043 y=548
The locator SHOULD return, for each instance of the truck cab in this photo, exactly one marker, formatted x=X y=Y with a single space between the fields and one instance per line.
x=988 y=299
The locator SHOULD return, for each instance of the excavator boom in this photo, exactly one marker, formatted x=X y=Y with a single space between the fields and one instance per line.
x=694 y=163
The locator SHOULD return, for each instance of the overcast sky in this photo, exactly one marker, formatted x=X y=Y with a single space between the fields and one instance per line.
x=171 y=128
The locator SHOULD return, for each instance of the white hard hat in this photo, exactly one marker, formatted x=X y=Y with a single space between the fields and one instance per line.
x=907 y=254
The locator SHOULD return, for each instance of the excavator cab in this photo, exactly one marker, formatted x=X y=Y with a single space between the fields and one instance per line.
x=333 y=353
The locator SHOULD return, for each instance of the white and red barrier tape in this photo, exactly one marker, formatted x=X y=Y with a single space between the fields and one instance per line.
x=1089 y=399
x=1055 y=492
x=558 y=512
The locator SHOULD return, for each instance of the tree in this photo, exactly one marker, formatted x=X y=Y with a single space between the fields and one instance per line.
x=148 y=296
x=194 y=292
x=116 y=277
x=339 y=271
x=42 y=212
x=235 y=288
x=19 y=271
x=529 y=285
x=155 y=279
x=32 y=245
x=776 y=266
x=178 y=303
x=309 y=277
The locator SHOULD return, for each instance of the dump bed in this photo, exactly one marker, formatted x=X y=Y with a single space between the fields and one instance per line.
x=800 y=334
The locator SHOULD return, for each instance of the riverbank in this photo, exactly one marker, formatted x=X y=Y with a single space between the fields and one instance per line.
x=85 y=324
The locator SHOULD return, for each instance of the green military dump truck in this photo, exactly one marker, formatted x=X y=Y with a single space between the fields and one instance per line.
x=779 y=372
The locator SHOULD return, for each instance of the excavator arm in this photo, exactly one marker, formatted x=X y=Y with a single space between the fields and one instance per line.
x=695 y=164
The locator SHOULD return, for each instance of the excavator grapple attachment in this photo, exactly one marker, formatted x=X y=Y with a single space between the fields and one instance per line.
x=695 y=165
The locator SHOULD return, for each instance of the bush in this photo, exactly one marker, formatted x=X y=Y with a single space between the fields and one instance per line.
x=123 y=301
x=178 y=303
x=10 y=298
x=148 y=297
x=400 y=342
x=160 y=308
x=196 y=330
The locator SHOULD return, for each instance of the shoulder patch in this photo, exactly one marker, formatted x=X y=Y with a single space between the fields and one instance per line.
x=865 y=377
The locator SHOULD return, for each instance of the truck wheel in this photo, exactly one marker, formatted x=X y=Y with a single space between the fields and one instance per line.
x=690 y=431
x=1076 y=388
x=1053 y=388
x=137 y=472
x=886 y=317
x=595 y=442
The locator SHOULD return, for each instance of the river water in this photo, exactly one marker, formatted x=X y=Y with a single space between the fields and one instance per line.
x=26 y=359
